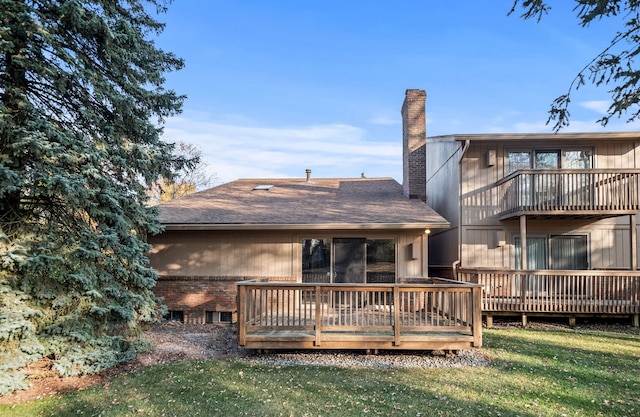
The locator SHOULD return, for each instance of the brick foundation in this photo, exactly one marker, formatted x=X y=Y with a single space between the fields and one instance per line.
x=195 y=295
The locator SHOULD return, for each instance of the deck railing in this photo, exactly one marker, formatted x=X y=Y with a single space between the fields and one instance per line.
x=441 y=314
x=554 y=291
x=575 y=191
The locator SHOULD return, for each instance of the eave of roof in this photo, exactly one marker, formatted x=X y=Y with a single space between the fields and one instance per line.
x=569 y=136
x=333 y=226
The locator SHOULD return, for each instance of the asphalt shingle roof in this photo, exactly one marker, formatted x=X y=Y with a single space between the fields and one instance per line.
x=294 y=201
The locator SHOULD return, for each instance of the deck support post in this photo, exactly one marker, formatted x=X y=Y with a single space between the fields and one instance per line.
x=523 y=242
x=489 y=321
x=636 y=320
x=572 y=321
x=524 y=320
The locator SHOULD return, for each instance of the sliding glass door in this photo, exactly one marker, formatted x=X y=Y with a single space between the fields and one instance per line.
x=351 y=260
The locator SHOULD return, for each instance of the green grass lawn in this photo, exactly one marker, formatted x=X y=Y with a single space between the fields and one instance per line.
x=532 y=373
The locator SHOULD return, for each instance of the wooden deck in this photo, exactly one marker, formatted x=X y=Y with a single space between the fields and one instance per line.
x=554 y=292
x=438 y=314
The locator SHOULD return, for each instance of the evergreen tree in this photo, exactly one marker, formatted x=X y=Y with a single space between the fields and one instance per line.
x=81 y=105
x=616 y=64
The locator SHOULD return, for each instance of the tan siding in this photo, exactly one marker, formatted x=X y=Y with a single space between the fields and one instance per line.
x=257 y=254
x=406 y=266
x=480 y=249
x=610 y=249
x=615 y=155
x=479 y=200
x=221 y=254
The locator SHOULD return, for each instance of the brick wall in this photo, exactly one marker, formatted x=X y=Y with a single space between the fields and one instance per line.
x=414 y=136
x=195 y=295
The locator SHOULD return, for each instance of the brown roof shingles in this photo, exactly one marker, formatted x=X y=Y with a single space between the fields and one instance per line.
x=370 y=201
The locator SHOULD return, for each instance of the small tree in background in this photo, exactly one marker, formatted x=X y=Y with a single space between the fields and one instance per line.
x=192 y=177
x=614 y=65
x=81 y=99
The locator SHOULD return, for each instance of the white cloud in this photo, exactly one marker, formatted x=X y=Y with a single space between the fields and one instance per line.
x=244 y=151
x=599 y=106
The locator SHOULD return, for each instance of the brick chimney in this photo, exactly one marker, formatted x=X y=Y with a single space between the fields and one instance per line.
x=414 y=143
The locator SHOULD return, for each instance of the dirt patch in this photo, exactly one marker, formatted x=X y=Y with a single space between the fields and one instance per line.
x=171 y=342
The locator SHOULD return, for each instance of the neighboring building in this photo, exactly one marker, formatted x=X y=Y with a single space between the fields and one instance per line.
x=299 y=230
x=548 y=223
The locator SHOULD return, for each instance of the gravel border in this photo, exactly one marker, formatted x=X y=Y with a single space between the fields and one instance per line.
x=393 y=360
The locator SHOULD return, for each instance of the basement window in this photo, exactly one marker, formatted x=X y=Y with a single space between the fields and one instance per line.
x=174 y=315
x=218 y=317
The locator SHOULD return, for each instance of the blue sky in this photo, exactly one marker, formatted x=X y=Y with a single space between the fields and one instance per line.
x=276 y=87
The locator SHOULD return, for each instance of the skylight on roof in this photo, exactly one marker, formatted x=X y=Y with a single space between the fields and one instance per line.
x=264 y=187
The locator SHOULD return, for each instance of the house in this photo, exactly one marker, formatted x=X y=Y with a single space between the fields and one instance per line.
x=546 y=223
x=296 y=230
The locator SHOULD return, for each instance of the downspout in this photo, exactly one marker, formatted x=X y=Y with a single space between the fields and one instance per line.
x=456 y=263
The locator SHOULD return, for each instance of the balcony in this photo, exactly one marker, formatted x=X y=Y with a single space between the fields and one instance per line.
x=429 y=315
x=569 y=192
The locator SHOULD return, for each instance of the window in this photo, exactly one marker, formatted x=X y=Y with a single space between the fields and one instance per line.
x=578 y=159
x=518 y=160
x=316 y=260
x=381 y=261
x=569 y=252
x=218 y=317
x=570 y=158
x=536 y=252
x=174 y=315
x=565 y=252
x=547 y=159
x=349 y=260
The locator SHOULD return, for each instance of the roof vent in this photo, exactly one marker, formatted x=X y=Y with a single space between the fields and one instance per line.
x=264 y=187
x=308 y=171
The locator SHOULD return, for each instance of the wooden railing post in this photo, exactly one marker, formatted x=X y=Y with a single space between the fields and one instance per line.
x=476 y=306
x=242 y=318
x=319 y=319
x=396 y=315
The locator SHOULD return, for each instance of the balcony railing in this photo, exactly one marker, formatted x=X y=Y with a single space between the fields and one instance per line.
x=436 y=314
x=558 y=292
x=594 y=192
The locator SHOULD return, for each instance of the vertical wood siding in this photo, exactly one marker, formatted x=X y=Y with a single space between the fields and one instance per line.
x=261 y=254
x=222 y=254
